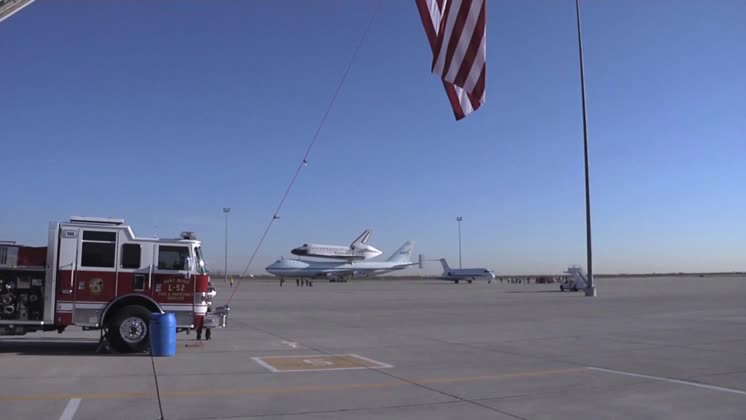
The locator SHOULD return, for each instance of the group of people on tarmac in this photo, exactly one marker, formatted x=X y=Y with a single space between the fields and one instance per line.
x=298 y=282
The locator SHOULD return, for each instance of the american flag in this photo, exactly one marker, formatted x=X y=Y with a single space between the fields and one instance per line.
x=457 y=31
x=10 y=7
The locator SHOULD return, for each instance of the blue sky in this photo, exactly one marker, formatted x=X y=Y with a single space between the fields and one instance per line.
x=165 y=112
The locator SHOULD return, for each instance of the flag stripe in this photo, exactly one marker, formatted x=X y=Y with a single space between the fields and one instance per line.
x=476 y=67
x=461 y=41
x=443 y=32
x=453 y=97
x=451 y=23
x=427 y=21
x=437 y=13
x=464 y=100
x=479 y=93
x=458 y=75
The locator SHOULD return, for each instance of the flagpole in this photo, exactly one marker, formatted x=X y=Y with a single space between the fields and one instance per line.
x=591 y=287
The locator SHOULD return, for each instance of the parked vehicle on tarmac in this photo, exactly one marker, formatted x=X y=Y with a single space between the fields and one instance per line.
x=96 y=274
x=575 y=280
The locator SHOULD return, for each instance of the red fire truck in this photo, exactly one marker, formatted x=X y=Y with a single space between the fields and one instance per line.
x=96 y=274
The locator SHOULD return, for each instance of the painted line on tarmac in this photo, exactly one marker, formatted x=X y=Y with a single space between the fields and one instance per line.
x=286 y=390
x=671 y=380
x=264 y=364
x=292 y=344
x=70 y=409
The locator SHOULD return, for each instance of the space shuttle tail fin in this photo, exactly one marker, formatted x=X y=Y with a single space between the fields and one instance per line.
x=363 y=238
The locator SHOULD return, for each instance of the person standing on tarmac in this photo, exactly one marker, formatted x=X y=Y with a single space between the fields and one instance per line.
x=208 y=332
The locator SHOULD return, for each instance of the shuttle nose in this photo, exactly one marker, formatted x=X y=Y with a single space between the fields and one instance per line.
x=374 y=252
x=299 y=251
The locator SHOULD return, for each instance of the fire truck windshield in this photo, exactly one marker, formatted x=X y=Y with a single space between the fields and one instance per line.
x=201 y=267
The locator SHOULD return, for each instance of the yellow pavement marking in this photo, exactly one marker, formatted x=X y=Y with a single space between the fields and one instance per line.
x=318 y=362
x=282 y=390
x=315 y=362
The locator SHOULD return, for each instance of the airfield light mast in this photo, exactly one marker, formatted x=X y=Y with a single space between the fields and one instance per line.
x=459 y=219
x=591 y=287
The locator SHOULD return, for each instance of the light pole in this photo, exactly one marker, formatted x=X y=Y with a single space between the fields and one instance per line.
x=591 y=286
x=226 y=210
x=459 y=219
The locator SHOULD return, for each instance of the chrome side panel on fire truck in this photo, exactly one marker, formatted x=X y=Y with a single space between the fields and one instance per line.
x=65 y=278
x=51 y=272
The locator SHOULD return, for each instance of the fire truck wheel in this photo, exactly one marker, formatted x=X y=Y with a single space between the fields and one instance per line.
x=129 y=331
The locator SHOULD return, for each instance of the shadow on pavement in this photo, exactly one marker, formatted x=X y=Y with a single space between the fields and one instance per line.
x=534 y=291
x=50 y=347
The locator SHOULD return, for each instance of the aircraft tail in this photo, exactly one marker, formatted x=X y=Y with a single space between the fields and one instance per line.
x=403 y=254
x=444 y=263
x=363 y=238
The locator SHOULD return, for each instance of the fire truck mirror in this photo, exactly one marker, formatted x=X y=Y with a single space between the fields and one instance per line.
x=190 y=266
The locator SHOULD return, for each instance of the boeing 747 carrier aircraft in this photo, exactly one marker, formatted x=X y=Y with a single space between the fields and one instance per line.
x=343 y=270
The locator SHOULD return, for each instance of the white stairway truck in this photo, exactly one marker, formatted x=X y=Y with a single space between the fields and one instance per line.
x=576 y=280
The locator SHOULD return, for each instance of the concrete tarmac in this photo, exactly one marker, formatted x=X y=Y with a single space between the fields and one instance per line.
x=645 y=348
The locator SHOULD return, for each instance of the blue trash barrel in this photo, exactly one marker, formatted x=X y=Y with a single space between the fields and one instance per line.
x=163 y=334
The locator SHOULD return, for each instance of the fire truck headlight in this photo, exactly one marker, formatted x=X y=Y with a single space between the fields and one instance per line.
x=205 y=298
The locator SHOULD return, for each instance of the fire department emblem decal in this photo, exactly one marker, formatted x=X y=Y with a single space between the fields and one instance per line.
x=96 y=286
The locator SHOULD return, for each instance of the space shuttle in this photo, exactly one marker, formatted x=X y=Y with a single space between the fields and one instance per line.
x=359 y=249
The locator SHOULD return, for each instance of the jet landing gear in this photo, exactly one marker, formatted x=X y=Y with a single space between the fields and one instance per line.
x=467 y=280
x=303 y=282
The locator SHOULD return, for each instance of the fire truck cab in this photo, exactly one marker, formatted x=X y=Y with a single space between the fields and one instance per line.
x=96 y=274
